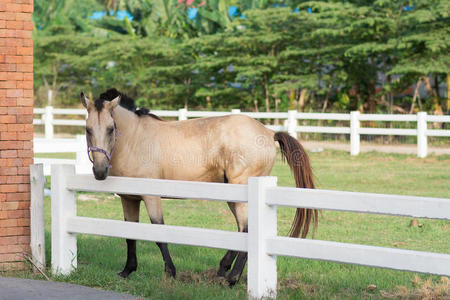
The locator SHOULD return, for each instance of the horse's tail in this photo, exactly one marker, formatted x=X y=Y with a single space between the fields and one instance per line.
x=298 y=161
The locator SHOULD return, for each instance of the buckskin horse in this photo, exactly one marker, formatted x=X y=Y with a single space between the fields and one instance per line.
x=126 y=141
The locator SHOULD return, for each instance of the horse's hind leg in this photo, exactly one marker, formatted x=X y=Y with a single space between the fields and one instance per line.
x=130 y=206
x=228 y=259
x=240 y=213
x=154 y=210
x=238 y=268
x=226 y=263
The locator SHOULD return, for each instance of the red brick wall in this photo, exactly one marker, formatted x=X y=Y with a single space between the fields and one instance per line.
x=16 y=130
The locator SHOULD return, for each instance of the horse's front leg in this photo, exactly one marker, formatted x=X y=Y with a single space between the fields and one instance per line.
x=154 y=210
x=130 y=206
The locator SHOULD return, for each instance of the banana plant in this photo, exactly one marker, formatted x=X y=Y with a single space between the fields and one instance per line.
x=213 y=16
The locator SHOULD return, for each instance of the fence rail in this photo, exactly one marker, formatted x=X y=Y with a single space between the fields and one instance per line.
x=290 y=125
x=77 y=146
x=261 y=242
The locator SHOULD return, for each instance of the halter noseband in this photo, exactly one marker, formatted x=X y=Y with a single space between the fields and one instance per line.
x=96 y=149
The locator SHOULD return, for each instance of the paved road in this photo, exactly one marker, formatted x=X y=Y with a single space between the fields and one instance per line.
x=27 y=289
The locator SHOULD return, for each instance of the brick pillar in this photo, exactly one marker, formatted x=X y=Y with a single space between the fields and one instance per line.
x=16 y=130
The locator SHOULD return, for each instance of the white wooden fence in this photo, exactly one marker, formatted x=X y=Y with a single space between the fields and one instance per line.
x=291 y=123
x=77 y=145
x=261 y=242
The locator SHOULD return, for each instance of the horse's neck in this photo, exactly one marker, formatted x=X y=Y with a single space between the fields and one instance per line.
x=130 y=140
x=126 y=122
x=127 y=127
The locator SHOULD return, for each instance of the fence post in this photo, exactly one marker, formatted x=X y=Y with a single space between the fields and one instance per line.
x=48 y=127
x=37 y=223
x=422 y=146
x=235 y=111
x=292 y=123
x=64 y=244
x=182 y=114
x=354 y=133
x=81 y=154
x=262 y=223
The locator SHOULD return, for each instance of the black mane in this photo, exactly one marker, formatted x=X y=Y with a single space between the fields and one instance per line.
x=125 y=101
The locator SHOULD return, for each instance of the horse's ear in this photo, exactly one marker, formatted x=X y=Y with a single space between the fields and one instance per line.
x=85 y=100
x=113 y=103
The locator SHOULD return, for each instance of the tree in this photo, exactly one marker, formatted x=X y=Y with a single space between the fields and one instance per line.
x=424 y=47
x=315 y=55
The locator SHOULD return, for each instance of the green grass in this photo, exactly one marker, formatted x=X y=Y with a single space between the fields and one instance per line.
x=100 y=258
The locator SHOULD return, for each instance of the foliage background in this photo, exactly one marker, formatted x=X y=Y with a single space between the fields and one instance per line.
x=257 y=55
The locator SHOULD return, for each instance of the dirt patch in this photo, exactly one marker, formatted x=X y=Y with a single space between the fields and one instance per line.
x=295 y=284
x=385 y=158
x=423 y=289
x=208 y=276
x=427 y=160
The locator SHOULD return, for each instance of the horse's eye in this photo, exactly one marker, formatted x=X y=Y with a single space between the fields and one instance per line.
x=88 y=131
x=110 y=130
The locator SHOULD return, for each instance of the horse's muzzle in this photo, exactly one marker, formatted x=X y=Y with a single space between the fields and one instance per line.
x=100 y=173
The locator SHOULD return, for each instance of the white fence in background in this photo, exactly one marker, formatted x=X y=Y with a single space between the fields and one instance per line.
x=261 y=242
x=290 y=125
x=77 y=145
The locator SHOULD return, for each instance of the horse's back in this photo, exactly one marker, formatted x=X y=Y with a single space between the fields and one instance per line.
x=231 y=132
x=215 y=148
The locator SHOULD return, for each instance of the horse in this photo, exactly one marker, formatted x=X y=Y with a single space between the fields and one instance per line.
x=125 y=141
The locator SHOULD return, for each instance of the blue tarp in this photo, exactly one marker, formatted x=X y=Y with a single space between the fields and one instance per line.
x=121 y=14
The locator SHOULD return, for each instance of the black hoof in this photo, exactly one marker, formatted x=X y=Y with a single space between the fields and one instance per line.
x=126 y=272
x=232 y=281
x=221 y=273
x=123 y=274
x=170 y=271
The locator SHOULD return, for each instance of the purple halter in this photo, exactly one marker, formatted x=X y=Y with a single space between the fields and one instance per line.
x=96 y=149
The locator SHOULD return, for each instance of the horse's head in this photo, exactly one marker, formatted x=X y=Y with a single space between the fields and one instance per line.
x=100 y=133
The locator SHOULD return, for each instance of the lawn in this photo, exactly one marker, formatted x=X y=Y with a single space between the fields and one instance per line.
x=99 y=258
